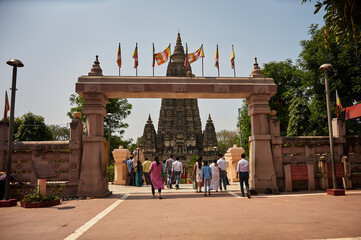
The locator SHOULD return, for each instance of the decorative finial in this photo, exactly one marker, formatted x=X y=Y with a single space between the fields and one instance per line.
x=209 y=118
x=96 y=70
x=179 y=40
x=149 y=119
x=256 y=71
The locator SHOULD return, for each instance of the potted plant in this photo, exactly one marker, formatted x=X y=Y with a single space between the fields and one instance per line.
x=37 y=200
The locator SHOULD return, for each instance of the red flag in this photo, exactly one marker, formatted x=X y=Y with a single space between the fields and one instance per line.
x=135 y=56
x=7 y=107
x=119 y=57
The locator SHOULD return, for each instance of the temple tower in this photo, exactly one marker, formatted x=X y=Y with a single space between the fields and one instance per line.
x=179 y=126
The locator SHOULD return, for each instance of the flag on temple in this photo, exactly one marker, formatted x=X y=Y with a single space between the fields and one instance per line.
x=119 y=57
x=153 y=63
x=232 y=58
x=338 y=103
x=353 y=111
x=135 y=56
x=162 y=57
x=192 y=57
x=186 y=61
x=216 y=58
x=7 y=107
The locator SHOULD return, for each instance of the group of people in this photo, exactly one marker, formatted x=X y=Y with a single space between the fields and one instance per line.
x=214 y=176
x=211 y=177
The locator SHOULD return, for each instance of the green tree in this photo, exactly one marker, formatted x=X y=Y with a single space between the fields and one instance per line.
x=289 y=81
x=226 y=139
x=119 y=107
x=342 y=21
x=60 y=133
x=299 y=120
x=245 y=122
x=31 y=127
x=345 y=77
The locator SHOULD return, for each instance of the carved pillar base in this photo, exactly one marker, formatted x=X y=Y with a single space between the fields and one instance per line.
x=93 y=181
x=262 y=172
x=120 y=168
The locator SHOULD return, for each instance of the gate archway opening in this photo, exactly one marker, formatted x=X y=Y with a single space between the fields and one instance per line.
x=96 y=89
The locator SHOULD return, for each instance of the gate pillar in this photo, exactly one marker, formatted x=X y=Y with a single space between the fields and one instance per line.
x=262 y=171
x=93 y=173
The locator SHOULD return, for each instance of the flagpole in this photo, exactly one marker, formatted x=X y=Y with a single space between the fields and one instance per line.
x=153 y=63
x=202 y=62
x=120 y=52
x=136 y=69
x=186 y=60
x=170 y=61
x=234 y=64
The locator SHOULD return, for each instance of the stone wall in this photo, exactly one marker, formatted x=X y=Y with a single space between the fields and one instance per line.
x=298 y=150
x=64 y=156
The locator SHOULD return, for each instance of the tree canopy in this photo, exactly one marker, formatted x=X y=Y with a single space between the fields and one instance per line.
x=31 y=127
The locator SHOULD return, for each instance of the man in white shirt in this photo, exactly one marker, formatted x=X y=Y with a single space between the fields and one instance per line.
x=223 y=176
x=177 y=169
x=168 y=170
x=243 y=172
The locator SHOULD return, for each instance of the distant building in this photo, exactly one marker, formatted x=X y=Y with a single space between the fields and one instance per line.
x=179 y=126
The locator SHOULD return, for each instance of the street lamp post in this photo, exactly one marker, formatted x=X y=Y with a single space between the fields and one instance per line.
x=325 y=68
x=215 y=151
x=109 y=134
x=240 y=129
x=15 y=63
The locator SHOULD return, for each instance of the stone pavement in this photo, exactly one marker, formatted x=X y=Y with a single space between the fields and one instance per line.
x=132 y=213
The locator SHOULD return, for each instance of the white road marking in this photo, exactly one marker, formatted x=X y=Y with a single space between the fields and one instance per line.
x=77 y=233
x=234 y=195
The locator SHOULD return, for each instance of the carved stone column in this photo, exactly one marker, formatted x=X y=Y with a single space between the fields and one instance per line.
x=347 y=183
x=274 y=125
x=322 y=166
x=75 y=152
x=262 y=171
x=93 y=173
x=120 y=168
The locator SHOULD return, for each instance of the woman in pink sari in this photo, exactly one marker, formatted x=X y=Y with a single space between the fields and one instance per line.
x=155 y=172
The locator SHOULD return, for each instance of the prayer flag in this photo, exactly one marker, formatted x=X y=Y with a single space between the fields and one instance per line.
x=119 y=57
x=7 y=107
x=162 y=57
x=232 y=58
x=186 y=61
x=338 y=103
x=192 y=57
x=135 y=56
x=216 y=58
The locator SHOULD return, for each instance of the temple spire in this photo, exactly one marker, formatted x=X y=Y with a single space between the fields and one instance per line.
x=96 y=70
x=256 y=71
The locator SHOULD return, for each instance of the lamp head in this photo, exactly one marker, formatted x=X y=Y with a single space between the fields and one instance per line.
x=15 y=63
x=109 y=114
x=325 y=67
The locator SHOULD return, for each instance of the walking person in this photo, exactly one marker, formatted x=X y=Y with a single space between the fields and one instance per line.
x=215 y=175
x=243 y=172
x=164 y=175
x=168 y=170
x=146 y=166
x=177 y=169
x=223 y=176
x=197 y=172
x=138 y=174
x=130 y=169
x=155 y=172
x=207 y=176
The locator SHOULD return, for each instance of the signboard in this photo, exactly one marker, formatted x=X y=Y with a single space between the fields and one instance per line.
x=339 y=170
x=43 y=169
x=299 y=172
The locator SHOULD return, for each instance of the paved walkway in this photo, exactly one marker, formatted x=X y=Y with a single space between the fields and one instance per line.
x=132 y=213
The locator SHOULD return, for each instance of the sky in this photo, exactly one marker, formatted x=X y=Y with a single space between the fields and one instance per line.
x=57 y=41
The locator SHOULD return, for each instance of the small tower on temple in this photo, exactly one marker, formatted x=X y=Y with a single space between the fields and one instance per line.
x=149 y=142
x=210 y=138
